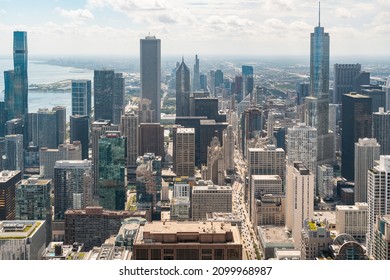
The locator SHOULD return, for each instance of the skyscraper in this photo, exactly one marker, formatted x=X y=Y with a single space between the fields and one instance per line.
x=183 y=90
x=196 y=80
x=150 y=69
x=20 y=74
x=367 y=151
x=151 y=139
x=112 y=171
x=103 y=83
x=344 y=77
x=79 y=131
x=381 y=129
x=378 y=184
x=129 y=129
x=14 y=152
x=357 y=123
x=8 y=181
x=184 y=152
x=118 y=98
x=247 y=80
x=81 y=97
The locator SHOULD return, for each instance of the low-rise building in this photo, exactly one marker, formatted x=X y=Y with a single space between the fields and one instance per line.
x=59 y=251
x=272 y=238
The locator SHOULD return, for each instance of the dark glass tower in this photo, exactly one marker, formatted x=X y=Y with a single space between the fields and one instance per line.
x=183 y=90
x=81 y=97
x=357 y=123
x=79 y=131
x=103 y=81
x=20 y=74
x=151 y=73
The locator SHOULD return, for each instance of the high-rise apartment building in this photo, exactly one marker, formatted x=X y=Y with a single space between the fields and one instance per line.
x=129 y=129
x=73 y=186
x=151 y=139
x=183 y=90
x=79 y=131
x=32 y=200
x=381 y=246
x=344 y=77
x=8 y=181
x=81 y=97
x=184 y=152
x=150 y=69
x=378 y=184
x=207 y=198
x=112 y=181
x=14 y=159
x=299 y=199
x=357 y=123
x=352 y=220
x=367 y=151
x=381 y=130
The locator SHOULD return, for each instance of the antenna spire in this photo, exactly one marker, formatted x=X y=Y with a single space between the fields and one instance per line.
x=319 y=13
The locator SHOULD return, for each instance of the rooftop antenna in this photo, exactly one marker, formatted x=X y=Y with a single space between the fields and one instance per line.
x=319 y=13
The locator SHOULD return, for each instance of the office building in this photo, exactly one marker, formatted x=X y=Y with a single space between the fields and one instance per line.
x=118 y=98
x=145 y=112
x=352 y=220
x=361 y=79
x=14 y=159
x=315 y=238
x=150 y=69
x=367 y=151
x=357 y=123
x=60 y=251
x=299 y=199
x=2 y=153
x=215 y=168
x=81 y=97
x=378 y=184
x=247 y=80
x=207 y=197
x=149 y=183
x=93 y=225
x=302 y=146
x=180 y=209
x=344 y=77
x=273 y=238
x=22 y=240
x=32 y=200
x=188 y=241
x=302 y=90
x=378 y=98
x=196 y=80
x=79 y=131
x=184 y=152
x=269 y=210
x=48 y=157
x=381 y=130
x=325 y=181
x=251 y=125
x=129 y=129
x=72 y=186
x=151 y=139
x=183 y=90
x=112 y=182
x=14 y=126
x=8 y=181
x=382 y=238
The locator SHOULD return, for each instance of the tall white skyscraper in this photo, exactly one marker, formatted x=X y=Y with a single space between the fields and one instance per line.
x=302 y=146
x=378 y=197
x=151 y=73
x=367 y=150
x=228 y=146
x=299 y=198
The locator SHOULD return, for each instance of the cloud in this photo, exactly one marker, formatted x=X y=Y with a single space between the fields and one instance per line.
x=3 y=11
x=128 y=6
x=79 y=15
x=344 y=13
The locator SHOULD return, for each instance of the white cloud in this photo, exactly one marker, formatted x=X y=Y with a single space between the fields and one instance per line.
x=78 y=15
x=3 y=11
x=343 y=13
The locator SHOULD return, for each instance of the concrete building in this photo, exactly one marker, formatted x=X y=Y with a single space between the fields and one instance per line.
x=299 y=199
x=8 y=181
x=22 y=240
x=345 y=247
x=129 y=129
x=207 y=198
x=181 y=189
x=93 y=225
x=382 y=238
x=270 y=210
x=367 y=151
x=184 y=152
x=287 y=254
x=188 y=241
x=32 y=200
x=108 y=251
x=14 y=159
x=315 y=238
x=48 y=157
x=151 y=139
x=72 y=186
x=352 y=220
x=180 y=209
x=272 y=238
x=215 y=169
x=381 y=129
x=60 y=251
x=325 y=181
x=228 y=146
x=378 y=184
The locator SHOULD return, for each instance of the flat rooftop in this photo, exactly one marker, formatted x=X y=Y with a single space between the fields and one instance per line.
x=19 y=229
x=273 y=234
x=267 y=177
x=185 y=130
x=329 y=215
x=5 y=175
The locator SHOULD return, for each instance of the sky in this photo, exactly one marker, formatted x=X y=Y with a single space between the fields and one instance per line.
x=187 y=27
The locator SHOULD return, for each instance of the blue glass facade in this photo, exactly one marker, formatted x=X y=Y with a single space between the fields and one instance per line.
x=319 y=62
x=20 y=74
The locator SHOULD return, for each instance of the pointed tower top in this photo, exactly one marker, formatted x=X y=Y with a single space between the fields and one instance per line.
x=182 y=59
x=319 y=13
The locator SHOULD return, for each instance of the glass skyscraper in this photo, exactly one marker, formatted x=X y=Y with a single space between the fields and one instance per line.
x=81 y=97
x=20 y=73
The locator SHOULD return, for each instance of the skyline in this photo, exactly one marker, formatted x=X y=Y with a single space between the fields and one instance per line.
x=279 y=27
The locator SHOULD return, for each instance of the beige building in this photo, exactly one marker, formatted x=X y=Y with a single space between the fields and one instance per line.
x=272 y=238
x=382 y=238
x=270 y=210
x=188 y=241
x=315 y=239
x=299 y=199
x=352 y=219
x=207 y=198
x=184 y=151
x=215 y=169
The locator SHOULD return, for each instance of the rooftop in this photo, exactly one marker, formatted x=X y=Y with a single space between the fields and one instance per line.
x=273 y=234
x=5 y=175
x=185 y=130
x=19 y=229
